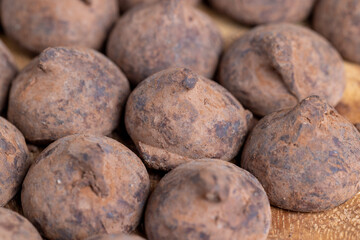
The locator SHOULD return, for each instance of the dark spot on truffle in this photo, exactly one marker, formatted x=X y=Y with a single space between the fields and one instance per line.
x=189 y=82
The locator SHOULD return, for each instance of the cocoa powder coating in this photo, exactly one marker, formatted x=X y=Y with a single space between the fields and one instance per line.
x=208 y=199
x=14 y=160
x=127 y=4
x=307 y=157
x=83 y=185
x=255 y=12
x=118 y=236
x=275 y=66
x=39 y=24
x=176 y=116
x=167 y=34
x=66 y=91
x=8 y=71
x=13 y=226
x=338 y=21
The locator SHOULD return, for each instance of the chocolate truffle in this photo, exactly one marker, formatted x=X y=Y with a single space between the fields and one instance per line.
x=264 y=11
x=176 y=116
x=208 y=199
x=154 y=37
x=275 y=66
x=66 y=91
x=14 y=162
x=339 y=22
x=15 y=227
x=306 y=157
x=83 y=185
x=38 y=24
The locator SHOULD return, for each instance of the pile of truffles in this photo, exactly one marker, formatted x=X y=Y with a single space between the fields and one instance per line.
x=133 y=122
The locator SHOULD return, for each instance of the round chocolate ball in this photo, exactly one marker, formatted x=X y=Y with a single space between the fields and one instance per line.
x=306 y=157
x=13 y=226
x=38 y=24
x=176 y=116
x=338 y=21
x=208 y=199
x=275 y=66
x=66 y=91
x=14 y=162
x=154 y=37
x=255 y=12
x=83 y=185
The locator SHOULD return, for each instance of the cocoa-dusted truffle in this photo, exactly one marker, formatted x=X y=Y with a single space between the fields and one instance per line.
x=338 y=21
x=66 y=91
x=176 y=116
x=127 y=4
x=208 y=199
x=14 y=160
x=38 y=24
x=307 y=157
x=264 y=11
x=83 y=185
x=15 y=227
x=118 y=236
x=8 y=71
x=273 y=67
x=167 y=34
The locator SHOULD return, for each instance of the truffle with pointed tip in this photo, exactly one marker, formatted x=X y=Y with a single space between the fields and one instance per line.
x=338 y=21
x=273 y=67
x=184 y=37
x=127 y=4
x=39 y=24
x=264 y=11
x=118 y=236
x=307 y=157
x=208 y=199
x=14 y=162
x=8 y=71
x=83 y=185
x=14 y=226
x=176 y=116
x=66 y=91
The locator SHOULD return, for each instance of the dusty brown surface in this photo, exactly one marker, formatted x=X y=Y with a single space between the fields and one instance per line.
x=274 y=67
x=87 y=92
x=341 y=222
x=307 y=158
x=38 y=24
x=116 y=237
x=83 y=185
x=14 y=162
x=264 y=11
x=127 y=4
x=8 y=71
x=208 y=199
x=339 y=22
x=175 y=116
x=168 y=34
x=15 y=227
x=15 y=204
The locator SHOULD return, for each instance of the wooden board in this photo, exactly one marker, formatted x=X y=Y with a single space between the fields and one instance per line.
x=341 y=223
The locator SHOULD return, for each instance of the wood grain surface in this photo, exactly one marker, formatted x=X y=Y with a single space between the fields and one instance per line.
x=341 y=223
